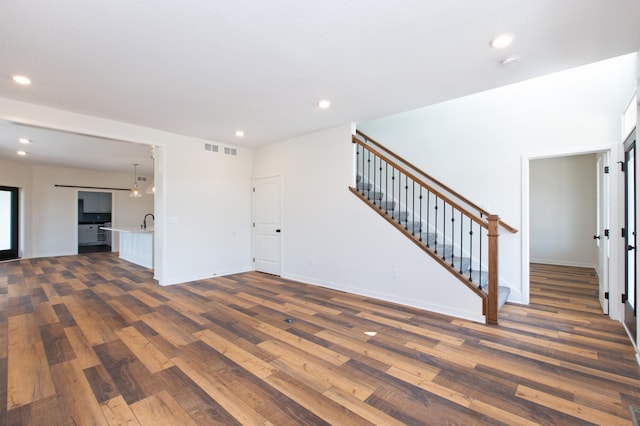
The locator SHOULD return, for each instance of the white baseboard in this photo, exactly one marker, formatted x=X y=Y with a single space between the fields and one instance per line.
x=445 y=310
x=578 y=264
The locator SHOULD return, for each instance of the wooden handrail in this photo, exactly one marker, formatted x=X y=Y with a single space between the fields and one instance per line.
x=436 y=181
x=400 y=168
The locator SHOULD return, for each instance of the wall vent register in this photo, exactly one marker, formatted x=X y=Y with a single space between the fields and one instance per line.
x=210 y=147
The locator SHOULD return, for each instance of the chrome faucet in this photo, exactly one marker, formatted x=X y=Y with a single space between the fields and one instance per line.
x=144 y=221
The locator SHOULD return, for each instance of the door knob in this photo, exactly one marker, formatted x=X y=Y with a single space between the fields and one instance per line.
x=277 y=230
x=630 y=248
x=596 y=237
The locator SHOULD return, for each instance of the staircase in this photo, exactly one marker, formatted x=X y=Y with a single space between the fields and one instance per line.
x=459 y=235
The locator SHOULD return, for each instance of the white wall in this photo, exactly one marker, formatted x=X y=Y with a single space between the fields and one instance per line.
x=476 y=144
x=204 y=206
x=207 y=212
x=563 y=210
x=332 y=238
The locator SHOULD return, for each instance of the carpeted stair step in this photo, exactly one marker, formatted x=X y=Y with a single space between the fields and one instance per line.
x=503 y=291
x=413 y=227
x=385 y=205
x=373 y=195
x=361 y=186
x=400 y=216
x=427 y=238
x=444 y=250
x=460 y=263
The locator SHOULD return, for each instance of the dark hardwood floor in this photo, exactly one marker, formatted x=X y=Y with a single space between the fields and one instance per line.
x=91 y=339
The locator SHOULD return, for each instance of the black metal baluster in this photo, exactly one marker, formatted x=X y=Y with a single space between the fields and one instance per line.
x=362 y=170
x=461 y=241
x=380 y=180
x=368 y=172
x=413 y=207
x=453 y=240
x=480 y=258
x=470 y=247
x=386 y=184
x=406 y=195
x=444 y=229
x=357 y=162
x=373 y=183
x=428 y=214
x=420 y=218
x=435 y=242
x=393 y=189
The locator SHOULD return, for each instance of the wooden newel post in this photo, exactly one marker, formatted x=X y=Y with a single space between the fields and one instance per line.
x=492 y=301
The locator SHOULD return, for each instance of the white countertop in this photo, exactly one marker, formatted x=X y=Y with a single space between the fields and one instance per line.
x=129 y=229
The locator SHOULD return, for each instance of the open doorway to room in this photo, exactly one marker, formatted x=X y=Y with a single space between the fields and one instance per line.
x=569 y=219
x=94 y=213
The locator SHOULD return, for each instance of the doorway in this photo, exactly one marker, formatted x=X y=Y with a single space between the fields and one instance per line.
x=267 y=220
x=630 y=282
x=563 y=210
x=9 y=222
x=94 y=213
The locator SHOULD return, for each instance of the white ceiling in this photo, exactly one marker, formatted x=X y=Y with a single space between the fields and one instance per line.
x=207 y=68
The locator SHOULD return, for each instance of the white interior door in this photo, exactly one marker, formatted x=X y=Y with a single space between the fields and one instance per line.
x=267 y=218
x=602 y=225
x=630 y=236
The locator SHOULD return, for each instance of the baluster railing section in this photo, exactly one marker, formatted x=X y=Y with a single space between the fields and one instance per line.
x=456 y=232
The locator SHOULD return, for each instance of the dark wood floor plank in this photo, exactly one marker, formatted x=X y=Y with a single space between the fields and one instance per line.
x=92 y=339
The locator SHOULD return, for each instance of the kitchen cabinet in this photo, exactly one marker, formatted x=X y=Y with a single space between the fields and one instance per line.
x=87 y=235
x=96 y=202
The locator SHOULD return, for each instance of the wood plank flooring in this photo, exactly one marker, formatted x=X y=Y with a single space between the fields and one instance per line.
x=91 y=339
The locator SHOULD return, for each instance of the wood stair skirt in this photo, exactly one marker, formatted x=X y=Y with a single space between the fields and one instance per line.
x=427 y=240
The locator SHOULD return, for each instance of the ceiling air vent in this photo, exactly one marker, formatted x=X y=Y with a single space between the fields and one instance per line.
x=210 y=147
x=230 y=151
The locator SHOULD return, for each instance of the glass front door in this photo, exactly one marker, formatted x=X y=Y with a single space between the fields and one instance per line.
x=8 y=223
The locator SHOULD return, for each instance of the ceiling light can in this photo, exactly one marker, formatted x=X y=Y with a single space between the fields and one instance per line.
x=21 y=79
x=324 y=103
x=502 y=40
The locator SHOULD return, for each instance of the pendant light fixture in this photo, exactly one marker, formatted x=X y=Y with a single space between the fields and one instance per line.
x=151 y=189
x=135 y=192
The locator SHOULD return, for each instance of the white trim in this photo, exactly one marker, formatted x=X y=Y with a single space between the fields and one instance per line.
x=564 y=263
x=526 y=159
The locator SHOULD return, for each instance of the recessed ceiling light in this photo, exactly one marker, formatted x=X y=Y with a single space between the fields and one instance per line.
x=24 y=140
x=324 y=104
x=21 y=153
x=503 y=40
x=239 y=133
x=21 y=79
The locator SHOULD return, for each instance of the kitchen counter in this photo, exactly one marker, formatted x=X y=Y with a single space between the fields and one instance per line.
x=129 y=229
x=136 y=244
